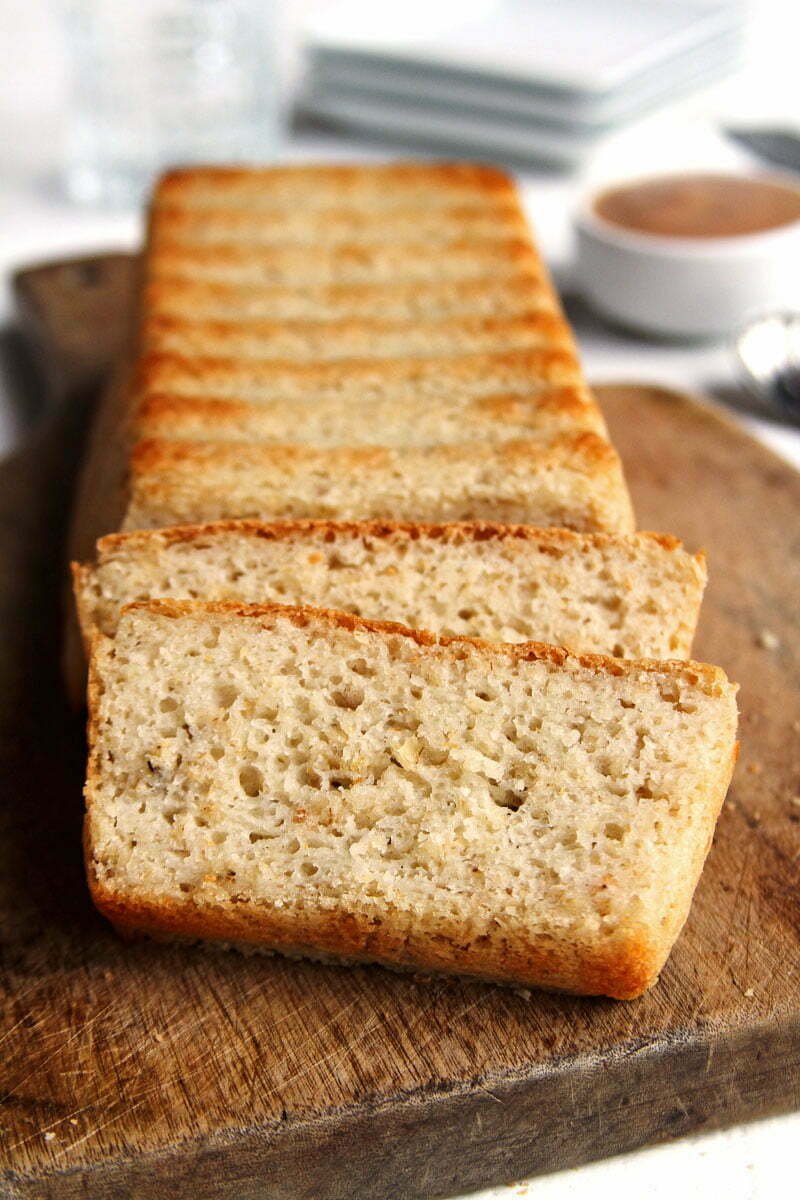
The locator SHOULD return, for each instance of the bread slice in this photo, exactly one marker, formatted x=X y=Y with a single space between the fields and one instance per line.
x=405 y=422
x=309 y=782
x=327 y=341
x=367 y=187
x=573 y=480
x=454 y=376
x=514 y=296
x=335 y=226
x=636 y=596
x=351 y=263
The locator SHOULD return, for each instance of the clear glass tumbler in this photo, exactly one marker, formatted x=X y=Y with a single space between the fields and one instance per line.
x=156 y=83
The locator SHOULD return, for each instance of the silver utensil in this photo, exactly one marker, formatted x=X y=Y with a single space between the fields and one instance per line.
x=768 y=350
x=781 y=147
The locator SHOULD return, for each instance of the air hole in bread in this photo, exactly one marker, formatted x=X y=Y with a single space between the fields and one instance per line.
x=348 y=697
x=251 y=780
x=361 y=667
x=225 y=695
x=507 y=798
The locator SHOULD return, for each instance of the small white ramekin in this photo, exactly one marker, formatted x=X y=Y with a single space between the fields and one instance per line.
x=685 y=287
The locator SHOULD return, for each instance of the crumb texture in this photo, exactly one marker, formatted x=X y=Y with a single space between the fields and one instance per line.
x=297 y=778
x=629 y=596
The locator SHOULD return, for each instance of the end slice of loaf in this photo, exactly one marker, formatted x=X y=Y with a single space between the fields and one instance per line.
x=309 y=782
x=405 y=422
x=573 y=480
x=636 y=596
x=325 y=341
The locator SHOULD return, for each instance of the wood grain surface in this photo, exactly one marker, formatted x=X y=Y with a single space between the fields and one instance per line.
x=151 y=1072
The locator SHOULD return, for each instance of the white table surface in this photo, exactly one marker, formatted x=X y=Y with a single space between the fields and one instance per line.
x=754 y=1162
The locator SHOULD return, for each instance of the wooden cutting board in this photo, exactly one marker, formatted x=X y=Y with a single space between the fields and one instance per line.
x=150 y=1072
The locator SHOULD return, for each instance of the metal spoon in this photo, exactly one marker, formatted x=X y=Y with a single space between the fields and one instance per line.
x=769 y=353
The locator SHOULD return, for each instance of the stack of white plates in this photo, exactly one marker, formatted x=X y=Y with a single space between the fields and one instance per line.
x=523 y=80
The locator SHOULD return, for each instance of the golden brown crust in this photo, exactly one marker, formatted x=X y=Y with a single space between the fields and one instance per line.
x=162 y=414
x=326 y=530
x=579 y=451
x=509 y=406
x=170 y=257
x=303 y=614
x=622 y=969
x=161 y=372
x=176 y=184
x=170 y=216
x=546 y=325
x=526 y=286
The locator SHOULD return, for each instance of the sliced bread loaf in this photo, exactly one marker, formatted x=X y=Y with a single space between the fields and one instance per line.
x=326 y=341
x=387 y=422
x=381 y=186
x=306 y=781
x=636 y=596
x=453 y=377
x=573 y=480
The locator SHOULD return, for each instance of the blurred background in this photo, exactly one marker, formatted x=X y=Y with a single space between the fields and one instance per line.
x=97 y=95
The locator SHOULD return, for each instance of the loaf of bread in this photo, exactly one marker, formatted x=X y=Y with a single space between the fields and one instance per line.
x=386 y=421
x=571 y=480
x=636 y=596
x=309 y=782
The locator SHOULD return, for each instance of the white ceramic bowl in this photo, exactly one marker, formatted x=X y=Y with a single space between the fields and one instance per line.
x=685 y=287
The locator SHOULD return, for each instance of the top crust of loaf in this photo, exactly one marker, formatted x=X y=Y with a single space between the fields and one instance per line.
x=185 y=184
x=337 y=223
x=711 y=679
x=453 y=531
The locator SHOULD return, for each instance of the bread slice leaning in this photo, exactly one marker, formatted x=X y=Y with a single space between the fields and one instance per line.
x=309 y=782
x=572 y=480
x=636 y=596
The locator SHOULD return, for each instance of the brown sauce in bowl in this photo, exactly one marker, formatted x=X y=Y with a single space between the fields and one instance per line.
x=700 y=206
